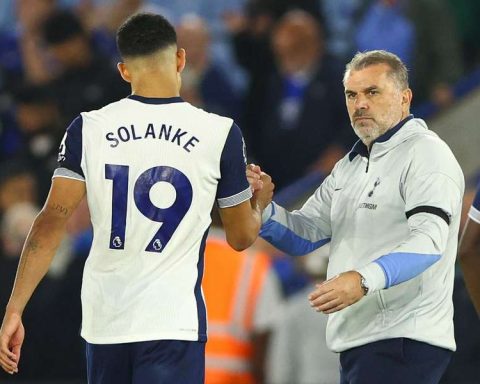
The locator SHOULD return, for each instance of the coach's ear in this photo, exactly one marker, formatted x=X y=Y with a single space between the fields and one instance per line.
x=181 y=60
x=122 y=68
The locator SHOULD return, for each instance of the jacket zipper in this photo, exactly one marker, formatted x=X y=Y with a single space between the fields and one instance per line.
x=368 y=161
x=382 y=301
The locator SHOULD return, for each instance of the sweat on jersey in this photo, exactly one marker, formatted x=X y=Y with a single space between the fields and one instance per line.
x=393 y=215
x=153 y=169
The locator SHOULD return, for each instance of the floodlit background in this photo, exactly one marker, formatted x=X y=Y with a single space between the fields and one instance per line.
x=275 y=66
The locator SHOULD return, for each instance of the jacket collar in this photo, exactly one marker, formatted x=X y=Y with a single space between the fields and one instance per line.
x=361 y=149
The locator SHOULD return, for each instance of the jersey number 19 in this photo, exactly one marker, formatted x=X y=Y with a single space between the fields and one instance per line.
x=169 y=217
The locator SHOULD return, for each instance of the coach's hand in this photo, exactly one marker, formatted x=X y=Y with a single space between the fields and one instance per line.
x=254 y=177
x=337 y=293
x=12 y=334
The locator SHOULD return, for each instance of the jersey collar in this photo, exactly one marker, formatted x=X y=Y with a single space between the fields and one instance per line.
x=156 y=100
x=361 y=149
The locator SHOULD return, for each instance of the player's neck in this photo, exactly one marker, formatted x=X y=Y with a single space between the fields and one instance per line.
x=156 y=87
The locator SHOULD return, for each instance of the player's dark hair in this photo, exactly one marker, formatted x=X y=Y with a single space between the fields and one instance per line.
x=143 y=34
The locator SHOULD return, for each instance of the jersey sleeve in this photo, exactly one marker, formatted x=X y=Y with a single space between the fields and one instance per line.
x=233 y=187
x=302 y=231
x=474 y=212
x=70 y=152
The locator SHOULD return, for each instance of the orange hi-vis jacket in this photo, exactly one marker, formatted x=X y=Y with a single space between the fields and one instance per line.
x=232 y=284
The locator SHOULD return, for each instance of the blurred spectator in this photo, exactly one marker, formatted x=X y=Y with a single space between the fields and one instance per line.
x=341 y=18
x=204 y=83
x=466 y=13
x=242 y=297
x=250 y=32
x=212 y=12
x=57 y=334
x=22 y=57
x=10 y=137
x=422 y=33
x=103 y=18
x=250 y=36
x=16 y=223
x=299 y=352
x=17 y=185
x=387 y=26
x=38 y=120
x=302 y=115
x=87 y=80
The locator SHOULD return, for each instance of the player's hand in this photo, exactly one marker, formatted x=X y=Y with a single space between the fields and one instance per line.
x=264 y=196
x=254 y=174
x=12 y=334
x=337 y=293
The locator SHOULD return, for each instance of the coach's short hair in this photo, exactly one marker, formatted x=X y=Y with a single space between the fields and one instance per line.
x=143 y=34
x=362 y=60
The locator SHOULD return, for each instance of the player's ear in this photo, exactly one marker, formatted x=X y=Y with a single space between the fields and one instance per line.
x=181 y=60
x=122 y=68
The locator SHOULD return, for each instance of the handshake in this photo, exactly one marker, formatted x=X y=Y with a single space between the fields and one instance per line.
x=261 y=185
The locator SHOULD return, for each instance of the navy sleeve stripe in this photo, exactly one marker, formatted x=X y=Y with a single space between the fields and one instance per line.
x=429 y=209
x=476 y=200
x=70 y=152
x=233 y=179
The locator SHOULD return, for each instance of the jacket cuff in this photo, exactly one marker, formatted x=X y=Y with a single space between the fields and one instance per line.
x=374 y=277
x=268 y=212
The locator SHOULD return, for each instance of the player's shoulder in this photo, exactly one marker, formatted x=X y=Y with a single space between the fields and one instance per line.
x=202 y=115
x=105 y=111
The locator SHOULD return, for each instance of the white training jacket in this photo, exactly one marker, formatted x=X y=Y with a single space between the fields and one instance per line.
x=393 y=215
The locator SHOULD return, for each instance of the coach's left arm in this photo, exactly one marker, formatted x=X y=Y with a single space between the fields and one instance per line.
x=432 y=188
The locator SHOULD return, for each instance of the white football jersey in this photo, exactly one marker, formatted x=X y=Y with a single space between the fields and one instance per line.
x=153 y=169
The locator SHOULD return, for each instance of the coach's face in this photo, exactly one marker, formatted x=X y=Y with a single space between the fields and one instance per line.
x=375 y=101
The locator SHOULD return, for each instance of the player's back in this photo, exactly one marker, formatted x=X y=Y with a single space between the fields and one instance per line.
x=151 y=168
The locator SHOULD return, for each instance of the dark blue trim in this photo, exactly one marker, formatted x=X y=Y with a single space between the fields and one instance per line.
x=233 y=161
x=201 y=311
x=156 y=100
x=402 y=266
x=476 y=200
x=387 y=135
x=358 y=149
x=70 y=152
x=361 y=149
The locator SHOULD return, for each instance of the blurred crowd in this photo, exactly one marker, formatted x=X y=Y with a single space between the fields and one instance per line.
x=276 y=67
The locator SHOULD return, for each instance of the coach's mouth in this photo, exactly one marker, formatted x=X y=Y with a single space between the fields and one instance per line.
x=362 y=118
